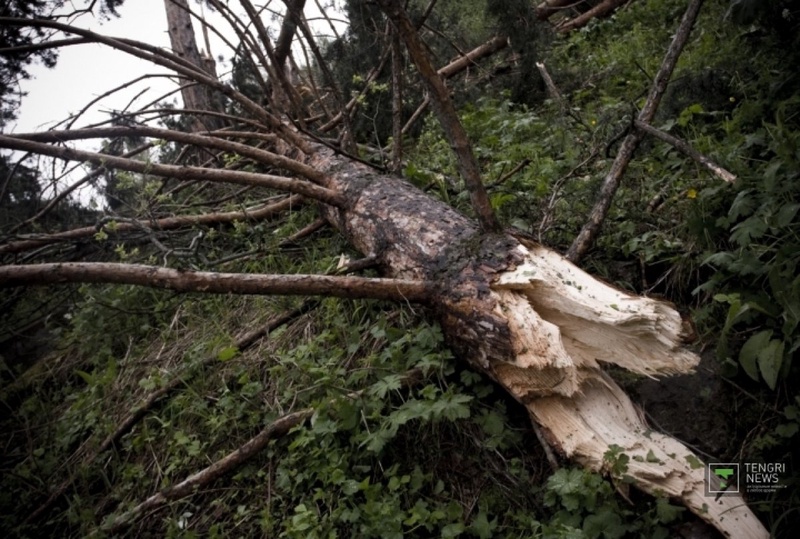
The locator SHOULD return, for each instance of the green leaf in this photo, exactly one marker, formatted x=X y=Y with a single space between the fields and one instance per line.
x=226 y=354
x=749 y=230
x=348 y=415
x=388 y=383
x=667 y=512
x=482 y=527
x=785 y=215
x=453 y=530
x=88 y=378
x=770 y=360
x=743 y=206
x=606 y=523
x=787 y=430
x=791 y=412
x=748 y=355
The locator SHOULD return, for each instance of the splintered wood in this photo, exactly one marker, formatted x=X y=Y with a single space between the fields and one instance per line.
x=563 y=322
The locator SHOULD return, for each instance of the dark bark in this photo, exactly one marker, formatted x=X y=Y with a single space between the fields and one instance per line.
x=518 y=313
x=397 y=104
x=447 y=115
x=175 y=172
x=540 y=338
x=684 y=147
x=600 y=10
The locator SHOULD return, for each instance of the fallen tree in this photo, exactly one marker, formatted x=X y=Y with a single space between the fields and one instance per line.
x=521 y=314
x=514 y=310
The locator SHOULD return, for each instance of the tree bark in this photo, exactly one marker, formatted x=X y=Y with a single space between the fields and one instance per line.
x=600 y=10
x=538 y=326
x=213 y=282
x=521 y=314
x=682 y=146
x=446 y=113
x=184 y=44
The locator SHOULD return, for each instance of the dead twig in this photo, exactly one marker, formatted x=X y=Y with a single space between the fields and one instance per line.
x=685 y=148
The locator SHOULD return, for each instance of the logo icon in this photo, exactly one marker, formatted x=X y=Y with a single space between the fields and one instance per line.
x=722 y=478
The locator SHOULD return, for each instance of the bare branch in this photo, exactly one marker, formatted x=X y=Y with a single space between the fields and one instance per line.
x=591 y=229
x=600 y=10
x=148 y=403
x=55 y=44
x=299 y=187
x=682 y=146
x=216 y=283
x=347 y=135
x=231 y=461
x=471 y=58
x=69 y=190
x=548 y=8
x=168 y=223
x=446 y=112
x=397 y=104
x=279 y=427
x=294 y=14
x=203 y=140
x=458 y=65
x=173 y=62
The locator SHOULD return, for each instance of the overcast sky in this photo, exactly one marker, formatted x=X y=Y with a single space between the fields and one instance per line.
x=86 y=71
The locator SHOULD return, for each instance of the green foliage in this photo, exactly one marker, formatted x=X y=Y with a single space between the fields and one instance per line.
x=445 y=454
x=730 y=252
x=757 y=265
x=586 y=507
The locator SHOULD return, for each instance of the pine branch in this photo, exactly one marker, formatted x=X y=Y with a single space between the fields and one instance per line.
x=215 y=283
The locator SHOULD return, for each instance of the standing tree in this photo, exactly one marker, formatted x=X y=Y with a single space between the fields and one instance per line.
x=513 y=310
x=196 y=97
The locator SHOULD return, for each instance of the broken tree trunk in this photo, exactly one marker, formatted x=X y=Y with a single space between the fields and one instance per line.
x=184 y=44
x=538 y=326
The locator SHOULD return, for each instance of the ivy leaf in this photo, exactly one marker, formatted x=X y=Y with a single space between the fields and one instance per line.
x=743 y=205
x=348 y=415
x=787 y=430
x=748 y=355
x=482 y=527
x=388 y=383
x=785 y=215
x=453 y=530
x=722 y=259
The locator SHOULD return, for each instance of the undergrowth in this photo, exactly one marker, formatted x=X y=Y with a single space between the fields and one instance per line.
x=442 y=452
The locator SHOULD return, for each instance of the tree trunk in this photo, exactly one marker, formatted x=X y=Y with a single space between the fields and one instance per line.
x=538 y=326
x=196 y=97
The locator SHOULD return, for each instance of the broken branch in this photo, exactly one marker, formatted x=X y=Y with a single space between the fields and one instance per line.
x=591 y=229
